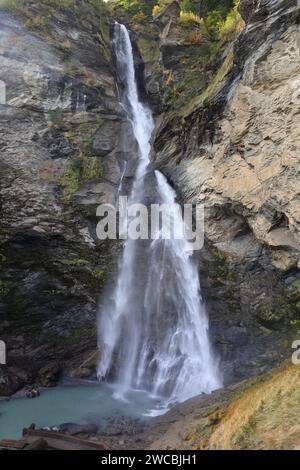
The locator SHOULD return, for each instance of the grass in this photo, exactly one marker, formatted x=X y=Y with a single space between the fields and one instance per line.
x=266 y=416
x=232 y=26
x=190 y=18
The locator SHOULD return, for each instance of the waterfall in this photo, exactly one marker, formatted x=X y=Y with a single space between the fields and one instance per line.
x=153 y=329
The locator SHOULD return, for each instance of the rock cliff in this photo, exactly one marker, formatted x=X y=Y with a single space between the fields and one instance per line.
x=234 y=148
x=226 y=137
x=60 y=158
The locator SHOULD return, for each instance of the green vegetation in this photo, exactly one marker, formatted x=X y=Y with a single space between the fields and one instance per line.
x=218 y=78
x=56 y=116
x=134 y=7
x=4 y=289
x=91 y=273
x=221 y=17
x=62 y=4
x=76 y=262
x=206 y=26
x=74 y=336
x=232 y=26
x=213 y=86
x=188 y=17
x=85 y=165
x=296 y=286
x=269 y=316
x=149 y=50
x=100 y=274
x=82 y=168
x=203 y=8
x=282 y=311
x=3 y=259
x=259 y=415
x=263 y=417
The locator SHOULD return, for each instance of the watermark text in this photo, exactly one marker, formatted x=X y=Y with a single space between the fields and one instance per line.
x=156 y=222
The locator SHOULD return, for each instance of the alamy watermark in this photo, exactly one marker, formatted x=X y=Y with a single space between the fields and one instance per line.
x=2 y=353
x=154 y=222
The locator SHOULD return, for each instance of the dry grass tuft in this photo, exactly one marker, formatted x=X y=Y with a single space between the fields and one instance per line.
x=266 y=416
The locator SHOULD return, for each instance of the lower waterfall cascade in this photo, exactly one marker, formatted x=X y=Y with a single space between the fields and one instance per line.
x=153 y=330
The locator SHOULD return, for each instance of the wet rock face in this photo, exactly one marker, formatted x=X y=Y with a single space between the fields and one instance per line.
x=60 y=92
x=105 y=138
x=238 y=154
x=247 y=9
x=256 y=10
x=60 y=158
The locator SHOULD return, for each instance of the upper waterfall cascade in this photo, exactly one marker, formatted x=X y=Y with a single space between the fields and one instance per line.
x=153 y=329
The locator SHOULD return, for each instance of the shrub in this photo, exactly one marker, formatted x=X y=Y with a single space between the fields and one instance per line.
x=169 y=77
x=156 y=10
x=232 y=26
x=195 y=36
x=189 y=6
x=135 y=6
x=160 y=4
x=139 y=17
x=84 y=167
x=223 y=25
x=222 y=6
x=212 y=23
x=190 y=17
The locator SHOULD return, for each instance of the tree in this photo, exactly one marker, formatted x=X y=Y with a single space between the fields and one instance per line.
x=136 y=6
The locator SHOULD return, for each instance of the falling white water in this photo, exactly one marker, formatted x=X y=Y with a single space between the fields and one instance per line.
x=153 y=330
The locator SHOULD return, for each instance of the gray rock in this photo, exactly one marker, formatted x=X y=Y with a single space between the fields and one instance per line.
x=75 y=429
x=104 y=141
x=247 y=7
x=39 y=444
x=234 y=154
x=59 y=81
x=9 y=382
x=48 y=376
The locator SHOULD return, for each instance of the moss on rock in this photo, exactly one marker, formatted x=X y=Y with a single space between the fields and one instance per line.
x=4 y=289
x=78 y=170
x=212 y=87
